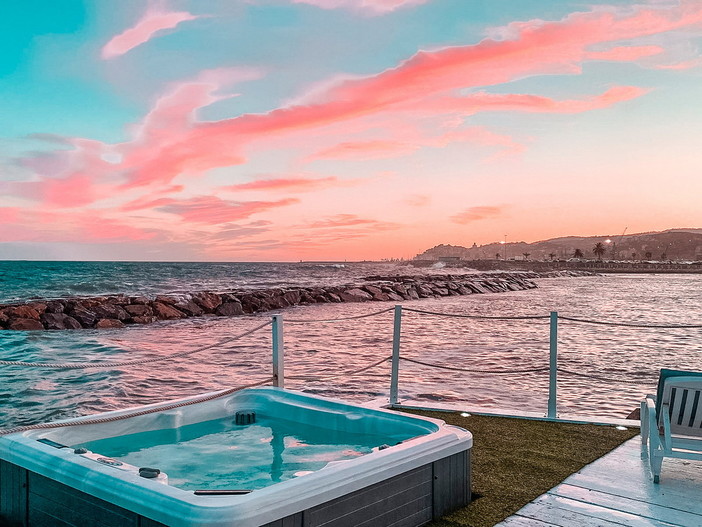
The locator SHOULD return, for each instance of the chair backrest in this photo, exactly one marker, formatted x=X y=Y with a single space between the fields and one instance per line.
x=683 y=395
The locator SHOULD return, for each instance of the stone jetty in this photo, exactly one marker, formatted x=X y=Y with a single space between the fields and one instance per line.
x=120 y=310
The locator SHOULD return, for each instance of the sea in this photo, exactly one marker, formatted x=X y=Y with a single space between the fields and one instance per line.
x=605 y=368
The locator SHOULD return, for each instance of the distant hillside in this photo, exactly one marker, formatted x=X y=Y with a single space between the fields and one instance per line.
x=673 y=244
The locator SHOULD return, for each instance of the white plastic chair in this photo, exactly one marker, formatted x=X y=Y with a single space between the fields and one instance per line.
x=671 y=421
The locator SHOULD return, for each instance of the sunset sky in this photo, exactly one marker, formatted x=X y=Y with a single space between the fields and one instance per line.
x=233 y=130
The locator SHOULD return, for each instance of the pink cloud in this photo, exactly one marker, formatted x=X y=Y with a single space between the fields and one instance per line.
x=372 y=7
x=537 y=47
x=101 y=229
x=418 y=200
x=483 y=101
x=162 y=147
x=378 y=149
x=213 y=210
x=73 y=191
x=372 y=149
x=684 y=65
x=350 y=220
x=290 y=184
x=9 y=214
x=477 y=213
x=82 y=226
x=171 y=142
x=145 y=29
x=625 y=53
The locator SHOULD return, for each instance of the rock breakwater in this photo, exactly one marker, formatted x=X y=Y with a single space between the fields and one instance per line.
x=117 y=311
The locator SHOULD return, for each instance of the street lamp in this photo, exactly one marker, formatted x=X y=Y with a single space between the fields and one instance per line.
x=504 y=243
x=614 y=248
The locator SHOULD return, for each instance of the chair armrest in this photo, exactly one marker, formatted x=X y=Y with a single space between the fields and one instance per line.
x=667 y=439
x=651 y=421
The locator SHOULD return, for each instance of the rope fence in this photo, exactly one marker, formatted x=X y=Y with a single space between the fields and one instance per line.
x=473 y=370
x=336 y=375
x=278 y=377
x=651 y=378
x=342 y=319
x=477 y=317
x=119 y=364
x=631 y=324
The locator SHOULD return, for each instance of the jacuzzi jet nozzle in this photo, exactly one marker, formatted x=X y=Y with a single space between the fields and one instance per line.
x=148 y=472
x=245 y=417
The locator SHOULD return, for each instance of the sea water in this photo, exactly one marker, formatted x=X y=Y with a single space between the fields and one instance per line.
x=220 y=455
x=611 y=367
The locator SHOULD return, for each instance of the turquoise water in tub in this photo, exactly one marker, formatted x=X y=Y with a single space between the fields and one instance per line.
x=218 y=454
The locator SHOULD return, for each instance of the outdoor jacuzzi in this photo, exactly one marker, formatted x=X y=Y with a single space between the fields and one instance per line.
x=263 y=456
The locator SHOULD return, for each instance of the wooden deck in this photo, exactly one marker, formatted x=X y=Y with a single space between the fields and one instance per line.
x=616 y=490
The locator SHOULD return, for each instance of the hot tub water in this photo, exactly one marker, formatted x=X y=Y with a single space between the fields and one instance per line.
x=218 y=454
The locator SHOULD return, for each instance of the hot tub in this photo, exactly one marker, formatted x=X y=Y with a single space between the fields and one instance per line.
x=263 y=456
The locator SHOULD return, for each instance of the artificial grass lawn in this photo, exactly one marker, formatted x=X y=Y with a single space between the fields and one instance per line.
x=516 y=460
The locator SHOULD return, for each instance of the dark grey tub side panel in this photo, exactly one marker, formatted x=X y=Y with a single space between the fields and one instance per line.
x=386 y=503
x=451 y=483
x=29 y=499
x=408 y=500
x=13 y=495
x=290 y=521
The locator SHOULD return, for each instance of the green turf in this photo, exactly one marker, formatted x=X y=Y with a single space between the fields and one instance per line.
x=516 y=460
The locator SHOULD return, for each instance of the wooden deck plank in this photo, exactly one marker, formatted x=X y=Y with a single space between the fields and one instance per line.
x=633 y=506
x=673 y=499
x=617 y=490
x=570 y=513
x=522 y=521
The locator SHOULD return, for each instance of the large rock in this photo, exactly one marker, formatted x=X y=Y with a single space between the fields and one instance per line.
x=355 y=295
x=85 y=316
x=164 y=299
x=166 y=312
x=276 y=302
x=146 y=319
x=372 y=290
x=229 y=309
x=138 y=300
x=59 y=321
x=25 y=311
x=306 y=297
x=120 y=300
x=25 y=324
x=39 y=307
x=109 y=311
x=424 y=291
x=230 y=297
x=4 y=319
x=138 y=310
x=108 y=323
x=292 y=297
x=54 y=306
x=189 y=307
x=208 y=302
x=250 y=303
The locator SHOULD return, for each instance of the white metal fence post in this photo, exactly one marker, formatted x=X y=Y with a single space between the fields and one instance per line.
x=395 y=373
x=553 y=367
x=278 y=352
